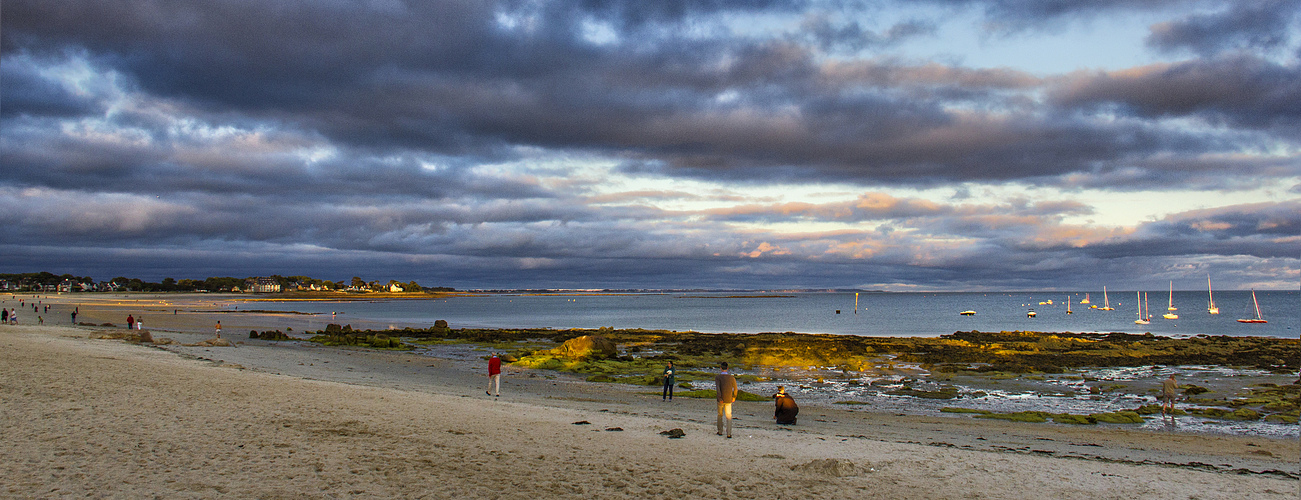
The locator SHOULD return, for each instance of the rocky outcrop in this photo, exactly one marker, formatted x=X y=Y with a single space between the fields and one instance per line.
x=586 y=347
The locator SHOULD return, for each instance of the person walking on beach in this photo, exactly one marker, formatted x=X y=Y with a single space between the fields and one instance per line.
x=494 y=376
x=786 y=408
x=130 y=322
x=669 y=380
x=4 y=316
x=725 y=386
x=74 y=316
x=1168 y=388
x=218 y=329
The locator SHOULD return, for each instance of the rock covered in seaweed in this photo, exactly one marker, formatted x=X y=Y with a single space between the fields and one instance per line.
x=586 y=347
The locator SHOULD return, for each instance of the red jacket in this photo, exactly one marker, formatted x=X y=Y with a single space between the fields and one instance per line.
x=494 y=365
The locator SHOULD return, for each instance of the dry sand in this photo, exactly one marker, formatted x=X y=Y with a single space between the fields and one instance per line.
x=104 y=418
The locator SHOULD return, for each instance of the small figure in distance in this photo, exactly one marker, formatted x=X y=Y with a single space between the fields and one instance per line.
x=218 y=329
x=669 y=380
x=786 y=408
x=725 y=386
x=494 y=376
x=1168 y=388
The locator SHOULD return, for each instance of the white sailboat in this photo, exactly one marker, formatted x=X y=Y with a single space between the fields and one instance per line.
x=1086 y=299
x=1142 y=320
x=1210 y=298
x=1171 y=307
x=1068 y=305
x=1106 y=303
x=1258 y=318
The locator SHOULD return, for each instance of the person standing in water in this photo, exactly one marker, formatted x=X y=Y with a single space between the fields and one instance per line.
x=1168 y=389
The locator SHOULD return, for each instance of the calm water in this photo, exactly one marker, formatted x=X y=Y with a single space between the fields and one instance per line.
x=889 y=314
x=878 y=314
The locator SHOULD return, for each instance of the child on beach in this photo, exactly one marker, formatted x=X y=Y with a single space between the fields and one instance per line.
x=218 y=329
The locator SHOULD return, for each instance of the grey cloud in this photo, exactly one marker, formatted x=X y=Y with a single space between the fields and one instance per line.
x=1239 y=90
x=852 y=37
x=1256 y=25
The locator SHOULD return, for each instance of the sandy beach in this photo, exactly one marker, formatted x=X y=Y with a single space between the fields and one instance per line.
x=106 y=418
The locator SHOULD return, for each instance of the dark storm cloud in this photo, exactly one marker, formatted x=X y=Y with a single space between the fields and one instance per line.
x=448 y=79
x=1237 y=90
x=303 y=137
x=1257 y=25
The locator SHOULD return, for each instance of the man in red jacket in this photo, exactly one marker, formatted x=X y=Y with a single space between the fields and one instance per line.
x=494 y=376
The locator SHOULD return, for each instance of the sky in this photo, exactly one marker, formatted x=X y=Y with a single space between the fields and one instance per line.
x=932 y=145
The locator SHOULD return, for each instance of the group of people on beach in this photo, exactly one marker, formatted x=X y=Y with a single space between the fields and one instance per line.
x=725 y=388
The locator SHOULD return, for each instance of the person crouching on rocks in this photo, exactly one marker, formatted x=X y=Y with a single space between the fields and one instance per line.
x=786 y=407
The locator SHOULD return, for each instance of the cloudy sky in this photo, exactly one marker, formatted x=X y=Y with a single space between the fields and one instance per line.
x=918 y=145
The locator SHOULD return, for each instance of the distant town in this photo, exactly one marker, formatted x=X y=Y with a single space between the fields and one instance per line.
x=67 y=283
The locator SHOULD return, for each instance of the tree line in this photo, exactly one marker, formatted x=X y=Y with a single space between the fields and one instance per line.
x=29 y=281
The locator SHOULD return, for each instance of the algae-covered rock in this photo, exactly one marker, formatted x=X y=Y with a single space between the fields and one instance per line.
x=586 y=347
x=951 y=409
x=1070 y=418
x=1225 y=414
x=1280 y=418
x=1155 y=410
x=1119 y=417
x=944 y=393
x=1035 y=417
x=1193 y=390
x=712 y=394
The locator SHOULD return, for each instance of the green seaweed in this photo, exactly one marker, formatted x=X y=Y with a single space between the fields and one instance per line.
x=1035 y=417
x=952 y=409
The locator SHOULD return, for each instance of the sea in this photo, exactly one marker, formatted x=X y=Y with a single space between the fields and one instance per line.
x=847 y=313
x=898 y=315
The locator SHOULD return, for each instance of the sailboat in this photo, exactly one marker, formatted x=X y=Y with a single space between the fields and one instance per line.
x=1171 y=307
x=1258 y=318
x=1210 y=305
x=1086 y=299
x=1068 y=305
x=1142 y=320
x=1106 y=303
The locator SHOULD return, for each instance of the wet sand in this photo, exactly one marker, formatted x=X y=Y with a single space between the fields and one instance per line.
x=267 y=420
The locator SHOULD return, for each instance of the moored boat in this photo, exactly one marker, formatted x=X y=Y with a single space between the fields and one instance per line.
x=1258 y=318
x=1171 y=307
x=1211 y=308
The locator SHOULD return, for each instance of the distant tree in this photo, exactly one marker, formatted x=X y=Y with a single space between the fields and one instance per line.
x=358 y=282
x=168 y=285
x=413 y=287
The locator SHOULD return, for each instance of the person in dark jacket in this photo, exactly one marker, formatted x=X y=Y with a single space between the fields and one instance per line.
x=669 y=380
x=786 y=407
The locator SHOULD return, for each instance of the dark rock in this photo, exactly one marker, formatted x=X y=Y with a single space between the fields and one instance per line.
x=674 y=433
